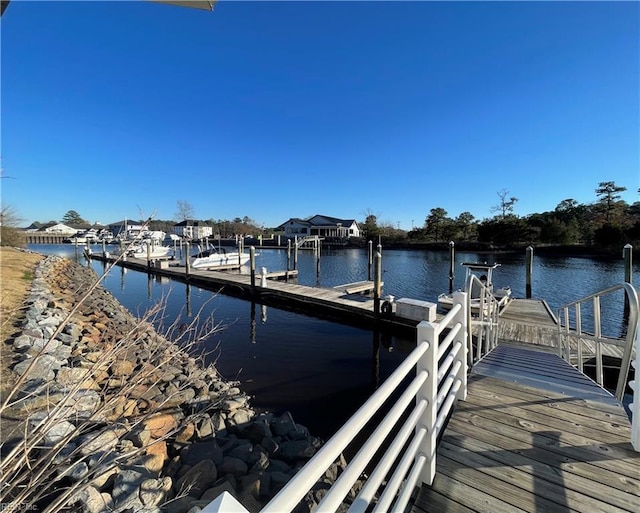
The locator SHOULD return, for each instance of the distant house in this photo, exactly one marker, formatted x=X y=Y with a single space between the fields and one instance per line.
x=126 y=228
x=59 y=228
x=322 y=226
x=190 y=229
x=51 y=228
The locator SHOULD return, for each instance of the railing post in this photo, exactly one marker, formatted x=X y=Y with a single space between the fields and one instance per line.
x=428 y=332
x=461 y=317
x=225 y=503
x=635 y=387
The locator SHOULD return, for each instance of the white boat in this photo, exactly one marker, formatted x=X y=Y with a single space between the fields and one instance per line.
x=139 y=250
x=484 y=272
x=212 y=258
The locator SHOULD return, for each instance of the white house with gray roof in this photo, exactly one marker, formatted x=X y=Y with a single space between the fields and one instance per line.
x=320 y=225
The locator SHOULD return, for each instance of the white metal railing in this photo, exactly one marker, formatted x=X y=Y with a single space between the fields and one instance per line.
x=571 y=315
x=630 y=343
x=427 y=400
x=483 y=317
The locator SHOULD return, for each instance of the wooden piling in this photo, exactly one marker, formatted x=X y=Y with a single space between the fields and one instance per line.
x=529 y=271
x=370 y=259
x=252 y=258
x=187 y=259
x=295 y=255
x=377 y=288
x=452 y=263
x=627 y=253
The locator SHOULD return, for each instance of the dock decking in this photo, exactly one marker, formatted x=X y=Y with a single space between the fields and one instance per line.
x=347 y=304
x=534 y=435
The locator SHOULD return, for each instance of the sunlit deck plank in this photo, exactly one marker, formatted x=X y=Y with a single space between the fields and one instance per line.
x=534 y=441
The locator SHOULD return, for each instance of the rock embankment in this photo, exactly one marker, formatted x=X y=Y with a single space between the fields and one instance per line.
x=118 y=418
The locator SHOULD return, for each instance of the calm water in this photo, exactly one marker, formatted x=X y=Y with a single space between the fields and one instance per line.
x=319 y=370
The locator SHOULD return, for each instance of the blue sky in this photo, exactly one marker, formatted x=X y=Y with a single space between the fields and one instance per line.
x=274 y=110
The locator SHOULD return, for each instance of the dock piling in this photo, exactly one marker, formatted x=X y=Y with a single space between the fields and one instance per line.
x=252 y=259
x=627 y=253
x=370 y=259
x=452 y=263
x=529 y=271
x=377 y=287
x=187 y=260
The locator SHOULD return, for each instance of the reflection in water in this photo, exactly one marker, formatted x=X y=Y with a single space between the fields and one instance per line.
x=310 y=366
x=252 y=320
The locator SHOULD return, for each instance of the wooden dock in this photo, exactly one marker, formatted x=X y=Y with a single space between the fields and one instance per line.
x=531 y=321
x=347 y=306
x=534 y=435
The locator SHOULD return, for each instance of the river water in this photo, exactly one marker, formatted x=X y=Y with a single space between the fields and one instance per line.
x=319 y=370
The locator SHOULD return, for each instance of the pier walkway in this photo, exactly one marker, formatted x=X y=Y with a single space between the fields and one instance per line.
x=344 y=303
x=533 y=434
x=518 y=430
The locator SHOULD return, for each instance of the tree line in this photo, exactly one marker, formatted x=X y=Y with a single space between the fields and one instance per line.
x=608 y=222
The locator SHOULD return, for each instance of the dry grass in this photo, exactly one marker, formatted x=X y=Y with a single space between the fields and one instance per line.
x=30 y=467
x=16 y=273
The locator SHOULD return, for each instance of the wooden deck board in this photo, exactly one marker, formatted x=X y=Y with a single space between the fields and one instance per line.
x=521 y=443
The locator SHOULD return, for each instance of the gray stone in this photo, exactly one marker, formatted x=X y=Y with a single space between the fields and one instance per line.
x=180 y=504
x=153 y=492
x=233 y=466
x=239 y=417
x=270 y=445
x=215 y=491
x=278 y=480
x=294 y=450
x=278 y=466
x=43 y=345
x=75 y=472
x=242 y=451
x=93 y=501
x=194 y=453
x=54 y=430
x=256 y=431
x=43 y=367
x=70 y=376
x=101 y=441
x=125 y=488
x=199 y=477
x=204 y=427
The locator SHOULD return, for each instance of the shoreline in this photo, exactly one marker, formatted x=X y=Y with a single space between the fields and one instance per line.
x=105 y=381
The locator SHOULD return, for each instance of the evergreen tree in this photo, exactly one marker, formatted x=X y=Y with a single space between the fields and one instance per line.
x=72 y=218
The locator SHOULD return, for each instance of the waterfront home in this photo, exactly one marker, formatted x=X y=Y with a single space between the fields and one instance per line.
x=320 y=225
x=125 y=229
x=190 y=229
x=54 y=228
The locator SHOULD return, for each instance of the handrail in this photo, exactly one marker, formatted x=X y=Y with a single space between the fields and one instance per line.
x=564 y=329
x=486 y=321
x=433 y=392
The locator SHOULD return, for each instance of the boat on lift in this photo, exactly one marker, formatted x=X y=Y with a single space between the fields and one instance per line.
x=212 y=258
x=484 y=272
